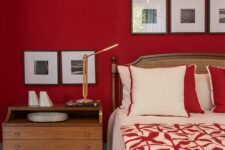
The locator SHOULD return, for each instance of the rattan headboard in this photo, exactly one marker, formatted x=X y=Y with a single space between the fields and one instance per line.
x=166 y=60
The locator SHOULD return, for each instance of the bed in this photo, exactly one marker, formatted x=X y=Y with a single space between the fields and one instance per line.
x=128 y=132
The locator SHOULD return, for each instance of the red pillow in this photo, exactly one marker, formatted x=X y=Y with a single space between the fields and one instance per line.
x=217 y=80
x=191 y=101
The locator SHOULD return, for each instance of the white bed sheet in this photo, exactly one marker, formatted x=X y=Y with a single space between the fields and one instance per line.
x=119 y=117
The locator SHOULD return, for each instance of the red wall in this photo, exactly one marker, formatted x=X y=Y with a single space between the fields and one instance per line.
x=78 y=25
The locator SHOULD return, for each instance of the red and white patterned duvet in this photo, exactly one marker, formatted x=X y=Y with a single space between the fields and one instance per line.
x=174 y=137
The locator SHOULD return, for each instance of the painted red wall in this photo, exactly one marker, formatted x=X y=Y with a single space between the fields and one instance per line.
x=78 y=25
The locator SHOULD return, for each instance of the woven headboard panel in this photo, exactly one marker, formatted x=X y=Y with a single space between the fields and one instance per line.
x=166 y=60
x=170 y=60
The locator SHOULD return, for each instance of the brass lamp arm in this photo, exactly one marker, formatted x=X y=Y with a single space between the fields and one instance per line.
x=103 y=50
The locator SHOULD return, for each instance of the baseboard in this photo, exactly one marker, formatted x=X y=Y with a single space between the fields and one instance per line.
x=104 y=146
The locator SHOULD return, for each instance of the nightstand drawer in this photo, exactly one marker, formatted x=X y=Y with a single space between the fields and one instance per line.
x=43 y=133
x=52 y=145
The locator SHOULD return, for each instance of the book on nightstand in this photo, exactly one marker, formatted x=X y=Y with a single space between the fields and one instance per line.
x=74 y=103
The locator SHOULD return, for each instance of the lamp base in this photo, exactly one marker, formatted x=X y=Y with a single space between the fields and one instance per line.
x=84 y=101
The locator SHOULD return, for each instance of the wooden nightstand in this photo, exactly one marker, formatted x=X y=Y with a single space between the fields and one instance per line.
x=83 y=131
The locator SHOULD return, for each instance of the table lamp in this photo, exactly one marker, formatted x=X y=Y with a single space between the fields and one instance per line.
x=85 y=73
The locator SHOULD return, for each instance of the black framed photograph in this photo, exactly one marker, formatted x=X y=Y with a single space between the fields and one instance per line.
x=187 y=16
x=149 y=16
x=72 y=67
x=41 y=67
x=217 y=16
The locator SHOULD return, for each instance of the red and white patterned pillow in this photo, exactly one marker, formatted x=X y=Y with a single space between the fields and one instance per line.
x=191 y=100
x=217 y=80
x=203 y=91
x=126 y=82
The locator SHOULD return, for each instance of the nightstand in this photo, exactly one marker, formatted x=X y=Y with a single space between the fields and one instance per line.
x=83 y=130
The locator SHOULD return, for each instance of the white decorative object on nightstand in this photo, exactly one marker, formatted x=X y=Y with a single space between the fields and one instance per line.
x=45 y=100
x=32 y=99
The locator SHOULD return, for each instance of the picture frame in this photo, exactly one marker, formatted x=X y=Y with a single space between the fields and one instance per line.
x=217 y=16
x=149 y=17
x=72 y=67
x=41 y=67
x=187 y=16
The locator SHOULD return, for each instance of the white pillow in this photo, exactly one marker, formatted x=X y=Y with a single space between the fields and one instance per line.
x=158 y=91
x=203 y=90
x=126 y=81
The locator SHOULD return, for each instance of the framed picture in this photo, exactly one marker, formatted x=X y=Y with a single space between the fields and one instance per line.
x=217 y=16
x=41 y=67
x=187 y=16
x=72 y=67
x=149 y=16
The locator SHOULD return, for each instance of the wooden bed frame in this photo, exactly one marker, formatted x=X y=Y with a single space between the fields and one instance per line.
x=165 y=60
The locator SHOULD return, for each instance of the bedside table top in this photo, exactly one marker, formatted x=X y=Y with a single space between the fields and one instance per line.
x=78 y=116
x=57 y=107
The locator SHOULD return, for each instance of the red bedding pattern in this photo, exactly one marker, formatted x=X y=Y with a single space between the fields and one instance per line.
x=174 y=137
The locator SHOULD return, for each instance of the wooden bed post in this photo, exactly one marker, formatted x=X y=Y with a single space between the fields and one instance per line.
x=114 y=70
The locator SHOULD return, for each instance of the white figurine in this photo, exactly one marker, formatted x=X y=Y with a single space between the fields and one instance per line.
x=45 y=101
x=33 y=99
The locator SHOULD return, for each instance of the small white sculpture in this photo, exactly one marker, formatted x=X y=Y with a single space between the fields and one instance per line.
x=45 y=101
x=33 y=99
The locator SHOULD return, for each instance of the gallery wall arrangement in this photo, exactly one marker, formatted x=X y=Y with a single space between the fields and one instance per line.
x=58 y=25
x=186 y=16
x=42 y=67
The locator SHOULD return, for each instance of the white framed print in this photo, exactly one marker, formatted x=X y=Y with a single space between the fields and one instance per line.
x=217 y=16
x=149 y=16
x=41 y=67
x=72 y=67
x=187 y=16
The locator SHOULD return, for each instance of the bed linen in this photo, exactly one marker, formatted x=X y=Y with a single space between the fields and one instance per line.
x=119 y=118
x=174 y=136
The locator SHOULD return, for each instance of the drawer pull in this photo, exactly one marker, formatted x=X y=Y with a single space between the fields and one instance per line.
x=17 y=133
x=87 y=147
x=17 y=147
x=87 y=134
